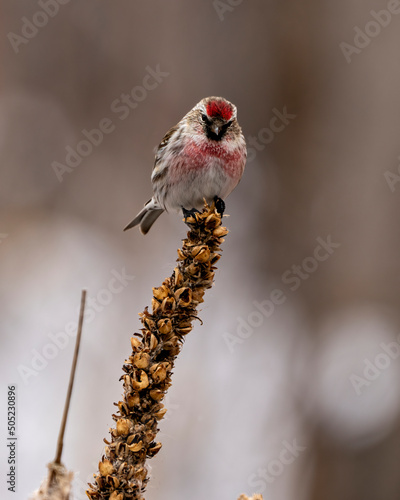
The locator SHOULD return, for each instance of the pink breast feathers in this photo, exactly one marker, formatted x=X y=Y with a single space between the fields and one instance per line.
x=202 y=153
x=203 y=156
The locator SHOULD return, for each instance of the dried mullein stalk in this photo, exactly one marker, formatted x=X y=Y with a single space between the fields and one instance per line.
x=122 y=471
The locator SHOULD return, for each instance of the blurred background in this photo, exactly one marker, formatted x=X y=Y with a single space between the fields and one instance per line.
x=291 y=388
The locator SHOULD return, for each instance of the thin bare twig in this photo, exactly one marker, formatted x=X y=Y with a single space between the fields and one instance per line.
x=60 y=441
x=58 y=483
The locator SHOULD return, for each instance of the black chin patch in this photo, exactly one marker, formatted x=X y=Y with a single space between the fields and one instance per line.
x=214 y=137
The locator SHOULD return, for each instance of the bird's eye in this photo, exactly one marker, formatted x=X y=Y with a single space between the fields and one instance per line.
x=204 y=118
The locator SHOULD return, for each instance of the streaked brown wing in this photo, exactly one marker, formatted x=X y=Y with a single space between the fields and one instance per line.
x=164 y=143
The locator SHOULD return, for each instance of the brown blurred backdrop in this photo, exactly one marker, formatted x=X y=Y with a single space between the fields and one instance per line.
x=292 y=385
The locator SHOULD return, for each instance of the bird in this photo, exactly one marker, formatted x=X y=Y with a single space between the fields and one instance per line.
x=201 y=158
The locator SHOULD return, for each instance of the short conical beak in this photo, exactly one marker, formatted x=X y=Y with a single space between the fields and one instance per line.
x=215 y=129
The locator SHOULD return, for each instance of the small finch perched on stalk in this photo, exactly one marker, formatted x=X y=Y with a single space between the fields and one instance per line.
x=202 y=157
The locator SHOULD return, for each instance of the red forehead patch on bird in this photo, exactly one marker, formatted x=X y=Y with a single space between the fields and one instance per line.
x=219 y=108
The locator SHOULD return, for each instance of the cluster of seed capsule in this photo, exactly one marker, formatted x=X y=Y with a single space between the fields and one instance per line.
x=147 y=373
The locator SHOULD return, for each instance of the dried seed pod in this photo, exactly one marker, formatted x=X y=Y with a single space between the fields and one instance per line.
x=149 y=323
x=141 y=473
x=160 y=414
x=214 y=258
x=168 y=304
x=191 y=219
x=181 y=255
x=106 y=467
x=184 y=323
x=100 y=481
x=153 y=342
x=120 y=449
x=212 y=221
x=136 y=446
x=161 y=292
x=114 y=481
x=133 y=399
x=156 y=394
x=178 y=276
x=130 y=438
x=142 y=383
x=174 y=351
x=141 y=360
x=123 y=426
x=183 y=296
x=130 y=472
x=127 y=381
x=116 y=496
x=123 y=408
x=193 y=269
x=201 y=253
x=160 y=373
x=184 y=331
x=208 y=276
x=220 y=231
x=171 y=343
x=135 y=343
x=197 y=295
x=154 y=449
x=157 y=407
x=168 y=336
x=164 y=325
x=155 y=305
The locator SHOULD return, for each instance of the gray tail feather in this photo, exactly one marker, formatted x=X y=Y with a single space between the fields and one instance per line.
x=146 y=218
